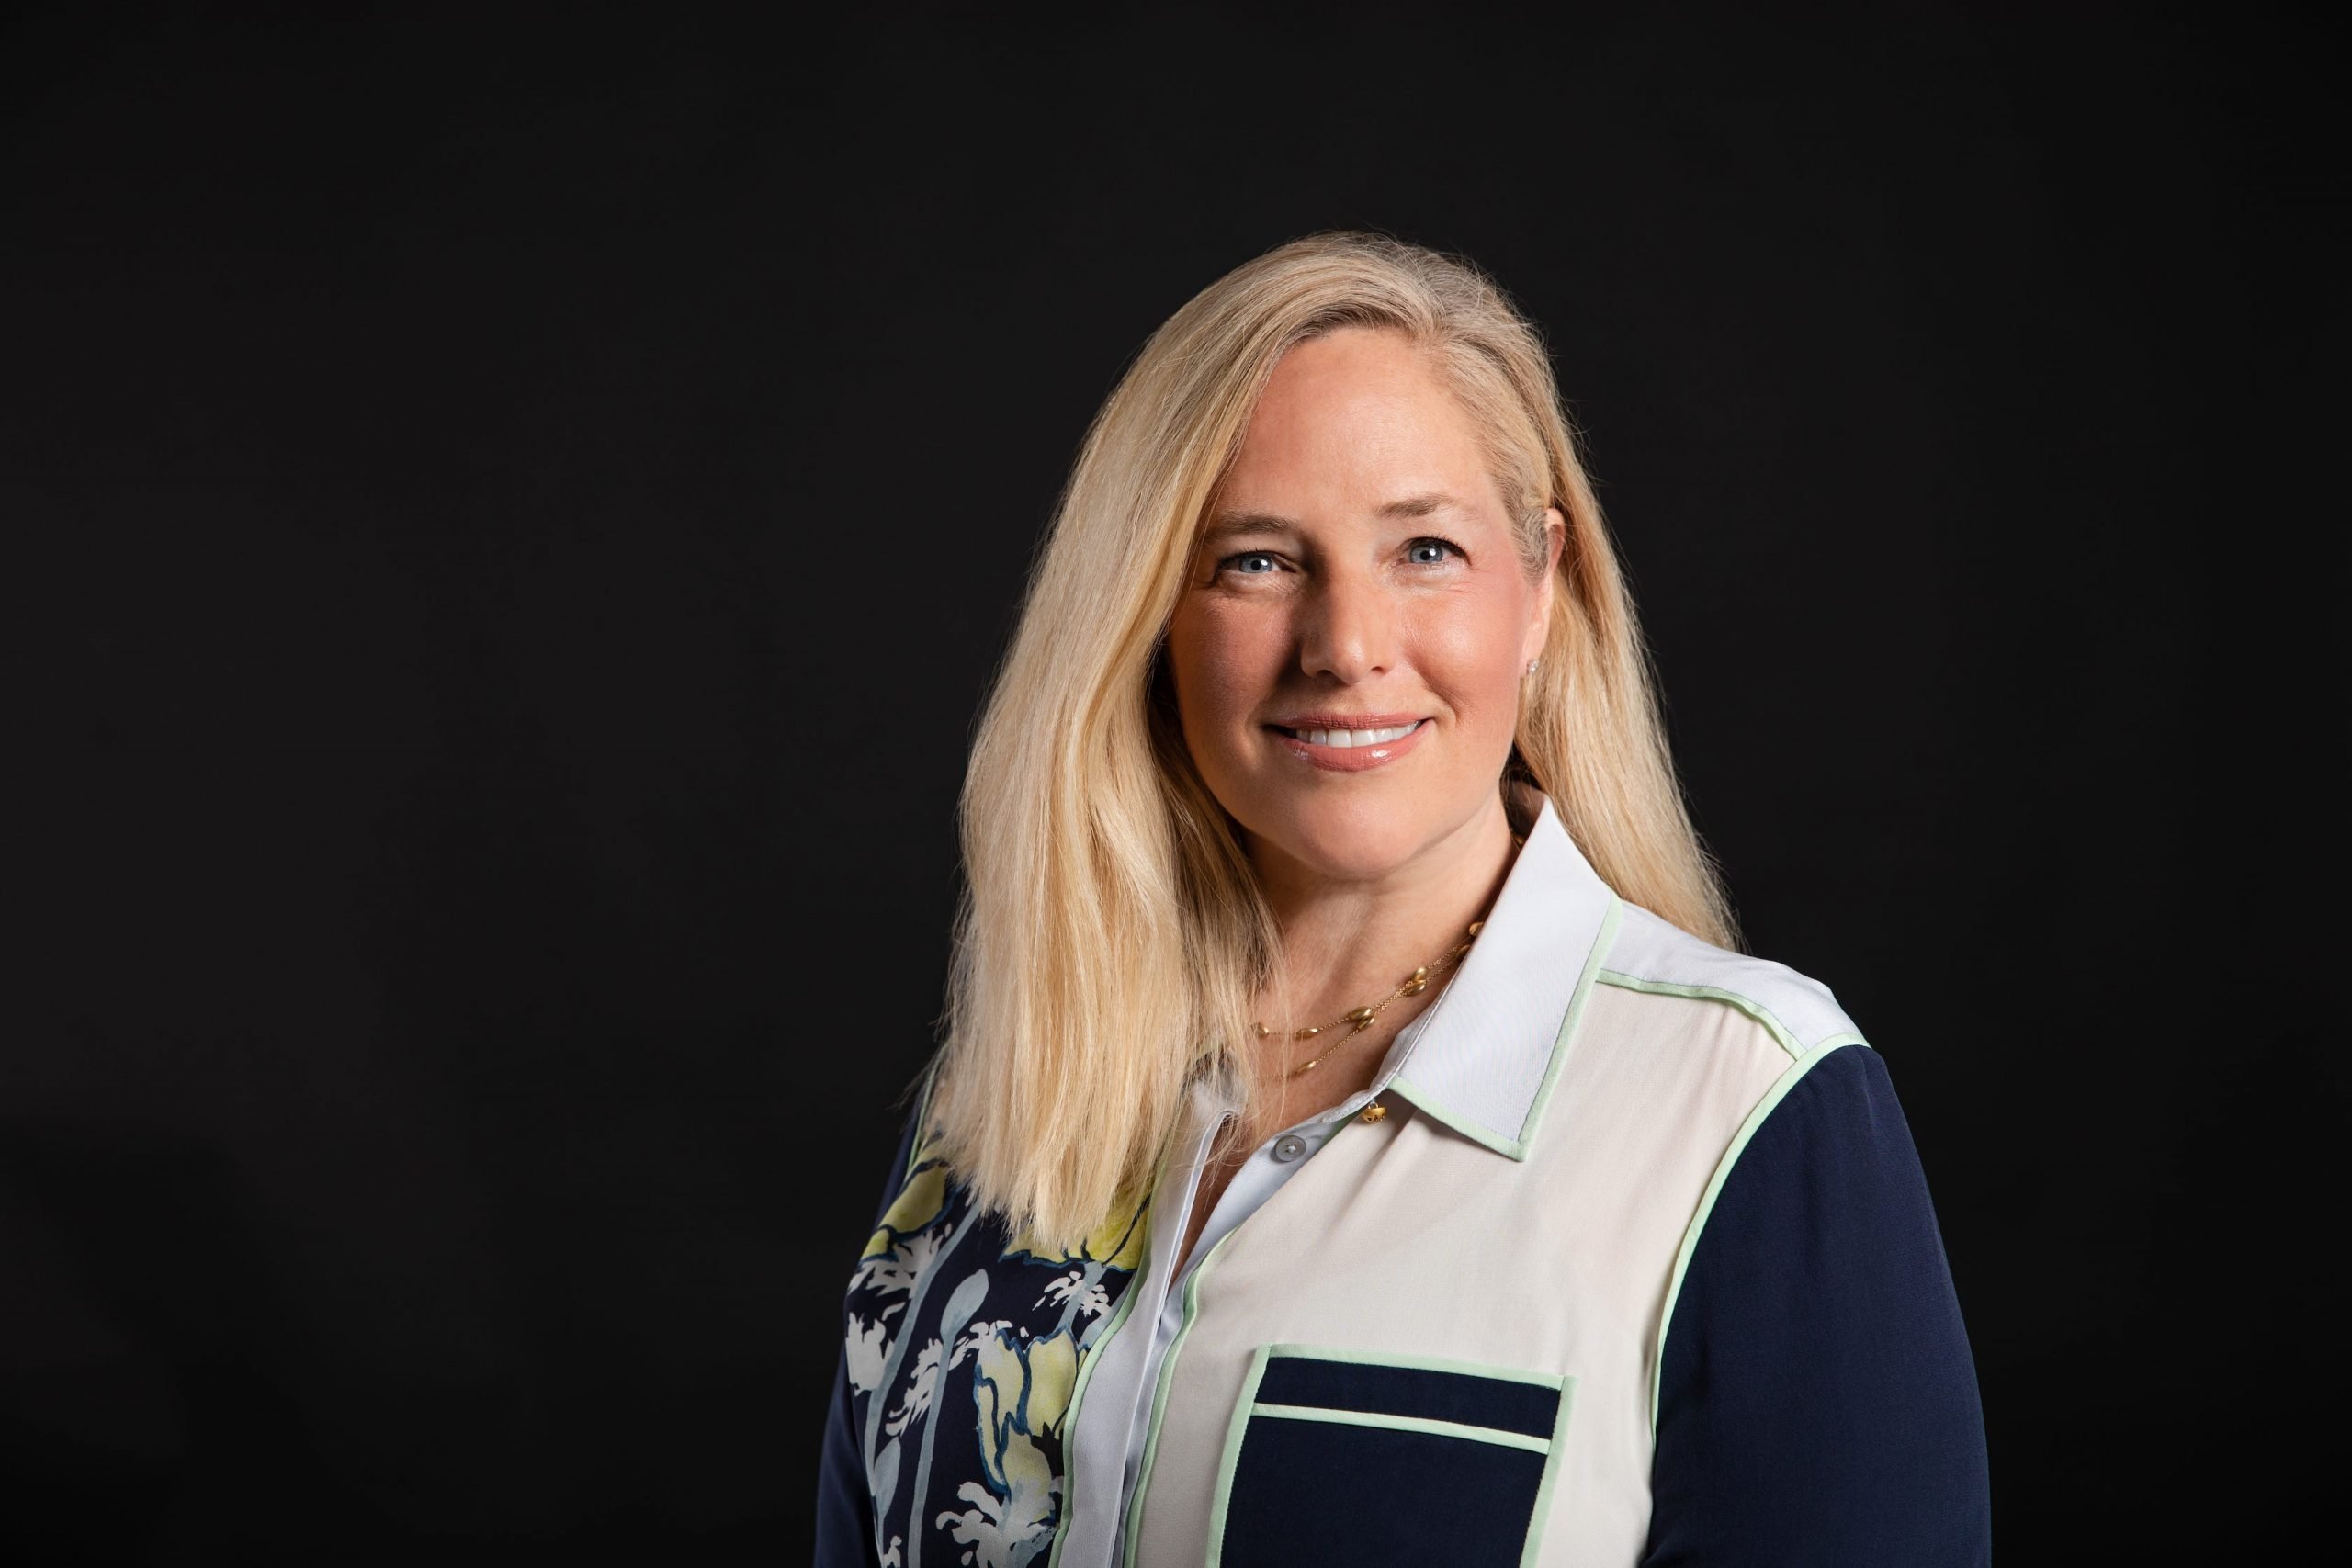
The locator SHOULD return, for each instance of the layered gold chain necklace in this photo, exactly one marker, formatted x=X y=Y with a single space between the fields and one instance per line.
x=1358 y=1020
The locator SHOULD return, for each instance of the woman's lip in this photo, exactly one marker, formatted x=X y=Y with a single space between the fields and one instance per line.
x=1345 y=720
x=1353 y=758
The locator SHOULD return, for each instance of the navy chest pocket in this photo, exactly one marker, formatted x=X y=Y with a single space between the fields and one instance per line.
x=1368 y=1457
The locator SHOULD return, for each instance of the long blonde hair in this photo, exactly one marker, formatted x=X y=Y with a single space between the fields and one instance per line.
x=1111 y=933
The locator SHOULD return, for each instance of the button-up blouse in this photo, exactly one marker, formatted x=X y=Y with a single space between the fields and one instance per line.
x=1624 y=1257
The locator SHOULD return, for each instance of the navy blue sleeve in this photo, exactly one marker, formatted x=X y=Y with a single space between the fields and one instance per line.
x=844 y=1505
x=1817 y=1401
x=845 y=1508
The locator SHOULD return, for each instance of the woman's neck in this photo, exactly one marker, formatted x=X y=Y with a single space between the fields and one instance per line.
x=1349 y=942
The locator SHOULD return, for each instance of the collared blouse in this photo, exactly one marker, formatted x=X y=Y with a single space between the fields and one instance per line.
x=1625 y=1257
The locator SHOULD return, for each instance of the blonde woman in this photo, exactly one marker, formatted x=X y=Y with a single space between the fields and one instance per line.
x=1359 y=1137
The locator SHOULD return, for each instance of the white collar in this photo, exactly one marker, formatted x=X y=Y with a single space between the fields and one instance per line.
x=1485 y=1055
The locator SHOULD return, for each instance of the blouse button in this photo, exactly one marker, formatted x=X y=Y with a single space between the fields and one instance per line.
x=1289 y=1147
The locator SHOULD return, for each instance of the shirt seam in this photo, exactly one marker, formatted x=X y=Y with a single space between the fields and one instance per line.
x=1789 y=1076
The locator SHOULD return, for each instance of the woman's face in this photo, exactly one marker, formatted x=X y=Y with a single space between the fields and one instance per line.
x=1356 y=574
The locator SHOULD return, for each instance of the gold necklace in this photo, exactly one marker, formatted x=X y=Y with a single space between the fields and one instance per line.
x=1362 y=1018
x=1413 y=985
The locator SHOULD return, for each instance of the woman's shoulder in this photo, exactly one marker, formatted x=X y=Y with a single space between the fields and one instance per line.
x=1770 y=1080
x=1647 y=954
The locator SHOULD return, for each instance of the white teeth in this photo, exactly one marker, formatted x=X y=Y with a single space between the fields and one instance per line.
x=1344 y=737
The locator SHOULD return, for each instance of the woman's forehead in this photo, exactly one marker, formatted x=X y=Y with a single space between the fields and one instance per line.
x=1367 y=423
x=1373 y=390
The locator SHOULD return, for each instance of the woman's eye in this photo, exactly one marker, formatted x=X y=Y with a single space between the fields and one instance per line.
x=1249 y=563
x=1430 y=552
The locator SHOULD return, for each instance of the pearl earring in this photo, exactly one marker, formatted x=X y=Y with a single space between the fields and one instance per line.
x=1532 y=665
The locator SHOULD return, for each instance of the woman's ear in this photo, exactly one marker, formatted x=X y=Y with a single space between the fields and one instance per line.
x=1556 y=539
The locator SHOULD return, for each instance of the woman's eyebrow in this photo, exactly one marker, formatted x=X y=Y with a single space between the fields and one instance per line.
x=1226 y=523
x=1418 y=505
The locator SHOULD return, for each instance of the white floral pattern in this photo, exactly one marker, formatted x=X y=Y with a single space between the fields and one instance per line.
x=1092 y=1298
x=869 y=1342
x=919 y=1386
x=1021 y=1391
x=971 y=1341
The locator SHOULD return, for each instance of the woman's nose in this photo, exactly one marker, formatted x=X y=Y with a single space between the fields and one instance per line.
x=1348 y=628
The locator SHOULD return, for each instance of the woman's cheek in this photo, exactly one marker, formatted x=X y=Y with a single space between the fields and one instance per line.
x=1470 y=657
x=1228 y=664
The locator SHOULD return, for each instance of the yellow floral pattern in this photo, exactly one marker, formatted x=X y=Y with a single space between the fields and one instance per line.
x=963 y=1347
x=1116 y=1243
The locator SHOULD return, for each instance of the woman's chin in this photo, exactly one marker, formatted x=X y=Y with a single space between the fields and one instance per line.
x=1353 y=847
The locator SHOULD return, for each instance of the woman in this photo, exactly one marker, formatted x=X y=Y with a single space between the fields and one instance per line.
x=1358 y=1137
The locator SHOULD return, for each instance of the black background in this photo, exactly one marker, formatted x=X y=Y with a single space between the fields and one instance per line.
x=511 y=513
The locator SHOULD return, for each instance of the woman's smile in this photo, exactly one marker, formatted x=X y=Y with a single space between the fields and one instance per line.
x=1345 y=745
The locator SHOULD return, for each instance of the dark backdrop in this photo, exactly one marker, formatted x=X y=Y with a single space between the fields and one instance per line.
x=510 y=521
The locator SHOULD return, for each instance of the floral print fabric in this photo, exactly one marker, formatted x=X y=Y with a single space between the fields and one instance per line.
x=962 y=1346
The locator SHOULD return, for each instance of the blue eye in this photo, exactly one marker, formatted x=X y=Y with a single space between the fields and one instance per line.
x=1413 y=551
x=1251 y=563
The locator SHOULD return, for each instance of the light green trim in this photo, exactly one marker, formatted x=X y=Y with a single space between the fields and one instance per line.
x=1601 y=942
x=1168 y=1370
x=1495 y=1435
x=1468 y=1126
x=1748 y=1005
x=1763 y=1108
x=1538 y=1515
x=1088 y=1363
x=1420 y=1363
x=1230 y=1460
x=1175 y=1347
x=1159 y=1394
x=1247 y=1405
x=1077 y=1393
x=1478 y=1132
